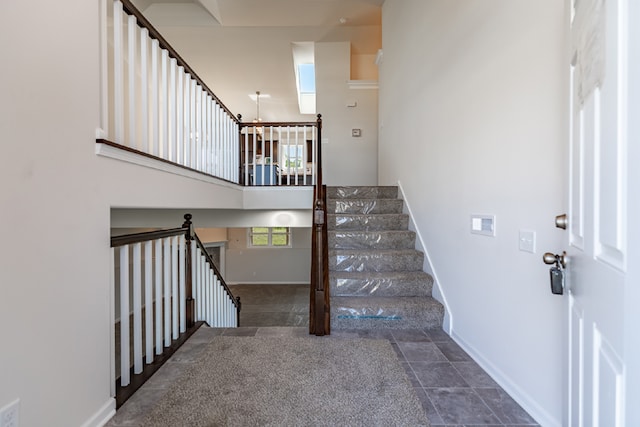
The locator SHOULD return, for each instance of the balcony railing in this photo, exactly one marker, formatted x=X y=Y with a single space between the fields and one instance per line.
x=155 y=105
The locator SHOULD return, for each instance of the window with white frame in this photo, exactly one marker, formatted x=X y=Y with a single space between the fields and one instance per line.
x=270 y=237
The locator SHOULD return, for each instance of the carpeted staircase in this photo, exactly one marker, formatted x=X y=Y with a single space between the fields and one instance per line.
x=376 y=274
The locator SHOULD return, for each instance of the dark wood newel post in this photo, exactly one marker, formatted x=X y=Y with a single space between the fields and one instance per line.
x=190 y=304
x=240 y=175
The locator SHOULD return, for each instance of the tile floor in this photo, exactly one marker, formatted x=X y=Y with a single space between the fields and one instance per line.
x=453 y=389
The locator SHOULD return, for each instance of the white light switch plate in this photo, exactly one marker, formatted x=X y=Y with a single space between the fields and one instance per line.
x=527 y=239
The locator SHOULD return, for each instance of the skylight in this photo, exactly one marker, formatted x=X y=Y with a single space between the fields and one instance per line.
x=303 y=57
x=307 y=78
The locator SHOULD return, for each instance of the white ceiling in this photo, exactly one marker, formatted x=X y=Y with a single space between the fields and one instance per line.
x=283 y=13
x=240 y=46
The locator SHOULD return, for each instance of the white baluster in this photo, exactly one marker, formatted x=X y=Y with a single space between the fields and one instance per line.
x=199 y=132
x=207 y=273
x=194 y=283
x=118 y=76
x=192 y=124
x=155 y=109
x=172 y=110
x=158 y=263
x=167 y=291
x=144 y=90
x=125 y=362
x=209 y=155
x=148 y=300
x=183 y=300
x=187 y=120
x=132 y=29
x=174 y=287
x=164 y=98
x=180 y=117
x=137 y=309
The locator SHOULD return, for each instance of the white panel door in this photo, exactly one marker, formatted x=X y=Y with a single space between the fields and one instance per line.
x=598 y=212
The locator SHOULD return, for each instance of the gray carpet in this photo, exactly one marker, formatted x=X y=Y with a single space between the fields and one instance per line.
x=292 y=381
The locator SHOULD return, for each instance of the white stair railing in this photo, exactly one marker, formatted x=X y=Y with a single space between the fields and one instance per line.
x=164 y=282
x=154 y=103
x=279 y=153
x=215 y=303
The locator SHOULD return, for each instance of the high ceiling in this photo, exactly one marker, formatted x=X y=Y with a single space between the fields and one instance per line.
x=239 y=47
x=283 y=13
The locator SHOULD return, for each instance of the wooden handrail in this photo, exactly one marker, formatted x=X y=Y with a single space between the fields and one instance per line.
x=129 y=239
x=130 y=9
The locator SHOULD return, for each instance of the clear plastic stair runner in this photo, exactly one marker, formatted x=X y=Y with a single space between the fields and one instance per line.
x=376 y=275
x=386 y=284
x=384 y=260
x=368 y=222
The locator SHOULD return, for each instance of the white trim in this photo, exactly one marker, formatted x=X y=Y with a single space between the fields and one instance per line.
x=362 y=84
x=539 y=413
x=427 y=265
x=137 y=159
x=103 y=415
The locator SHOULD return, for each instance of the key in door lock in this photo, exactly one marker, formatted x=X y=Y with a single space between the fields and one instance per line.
x=556 y=272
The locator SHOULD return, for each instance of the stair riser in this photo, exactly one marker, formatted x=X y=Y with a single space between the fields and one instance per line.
x=381 y=286
x=409 y=317
x=362 y=192
x=375 y=261
x=365 y=206
x=367 y=222
x=371 y=240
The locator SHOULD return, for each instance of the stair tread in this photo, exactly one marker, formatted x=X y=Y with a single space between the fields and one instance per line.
x=372 y=251
x=385 y=312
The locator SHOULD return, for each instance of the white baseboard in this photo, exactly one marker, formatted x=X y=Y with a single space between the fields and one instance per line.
x=103 y=415
x=542 y=417
x=427 y=265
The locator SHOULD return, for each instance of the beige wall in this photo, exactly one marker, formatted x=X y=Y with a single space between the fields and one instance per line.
x=472 y=121
x=247 y=265
x=210 y=235
x=346 y=160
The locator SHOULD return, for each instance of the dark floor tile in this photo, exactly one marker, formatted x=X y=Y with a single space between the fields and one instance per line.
x=431 y=412
x=410 y=335
x=412 y=377
x=461 y=406
x=474 y=375
x=240 y=332
x=376 y=334
x=437 y=335
x=421 y=352
x=453 y=352
x=504 y=406
x=437 y=374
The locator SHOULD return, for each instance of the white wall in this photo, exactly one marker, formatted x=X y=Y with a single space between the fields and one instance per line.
x=247 y=265
x=56 y=194
x=346 y=160
x=54 y=307
x=472 y=120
